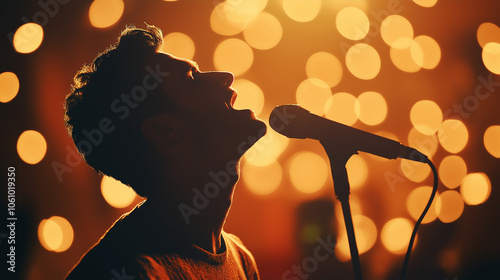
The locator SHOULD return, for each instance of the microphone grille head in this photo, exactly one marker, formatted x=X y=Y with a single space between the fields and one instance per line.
x=289 y=120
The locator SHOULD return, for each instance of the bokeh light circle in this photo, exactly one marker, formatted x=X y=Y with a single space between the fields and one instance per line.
x=452 y=171
x=416 y=202
x=233 y=55
x=357 y=171
x=267 y=150
x=31 y=146
x=325 y=67
x=27 y=38
x=105 y=13
x=9 y=86
x=491 y=140
x=450 y=206
x=220 y=24
x=403 y=60
x=264 y=32
x=426 y=3
x=396 y=235
x=453 y=135
x=397 y=32
x=363 y=61
x=250 y=96
x=426 y=116
x=414 y=170
x=426 y=52
x=491 y=57
x=308 y=172
x=116 y=193
x=300 y=10
x=312 y=94
x=370 y=107
x=179 y=44
x=475 y=188
x=366 y=235
x=55 y=234
x=488 y=32
x=340 y=107
x=426 y=144
x=352 y=23
x=262 y=180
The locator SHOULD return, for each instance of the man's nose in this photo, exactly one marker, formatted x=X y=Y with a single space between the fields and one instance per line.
x=224 y=79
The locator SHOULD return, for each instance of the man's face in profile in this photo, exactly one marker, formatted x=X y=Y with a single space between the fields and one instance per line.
x=204 y=102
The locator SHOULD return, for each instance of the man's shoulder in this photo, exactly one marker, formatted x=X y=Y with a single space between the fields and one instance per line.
x=114 y=254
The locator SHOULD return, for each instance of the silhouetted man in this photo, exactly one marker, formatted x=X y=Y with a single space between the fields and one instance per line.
x=168 y=130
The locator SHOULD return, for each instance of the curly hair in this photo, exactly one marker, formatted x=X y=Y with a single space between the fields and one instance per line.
x=108 y=136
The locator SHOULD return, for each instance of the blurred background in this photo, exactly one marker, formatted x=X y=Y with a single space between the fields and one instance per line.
x=422 y=72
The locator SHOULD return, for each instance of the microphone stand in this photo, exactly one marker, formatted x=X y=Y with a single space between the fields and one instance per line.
x=338 y=159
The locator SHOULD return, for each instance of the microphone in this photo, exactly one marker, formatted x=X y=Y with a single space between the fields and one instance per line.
x=294 y=121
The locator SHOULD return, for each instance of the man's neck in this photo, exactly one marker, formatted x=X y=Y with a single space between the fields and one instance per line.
x=199 y=207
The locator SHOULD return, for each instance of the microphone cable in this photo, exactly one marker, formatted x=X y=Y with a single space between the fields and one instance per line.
x=419 y=221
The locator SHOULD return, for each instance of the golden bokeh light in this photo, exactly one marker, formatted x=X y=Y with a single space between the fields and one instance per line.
x=366 y=235
x=403 y=60
x=324 y=66
x=415 y=171
x=250 y=96
x=363 y=61
x=357 y=171
x=426 y=3
x=340 y=107
x=116 y=193
x=308 y=172
x=426 y=144
x=233 y=55
x=105 y=13
x=9 y=86
x=396 y=235
x=426 y=116
x=475 y=188
x=352 y=23
x=179 y=44
x=27 y=38
x=55 y=234
x=31 y=146
x=487 y=33
x=300 y=10
x=491 y=57
x=491 y=140
x=312 y=94
x=337 y=5
x=220 y=24
x=450 y=206
x=426 y=52
x=243 y=11
x=453 y=135
x=263 y=32
x=397 y=32
x=370 y=107
x=267 y=149
x=262 y=180
x=452 y=171
x=416 y=202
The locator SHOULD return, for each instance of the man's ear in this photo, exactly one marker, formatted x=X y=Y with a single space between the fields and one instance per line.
x=162 y=129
